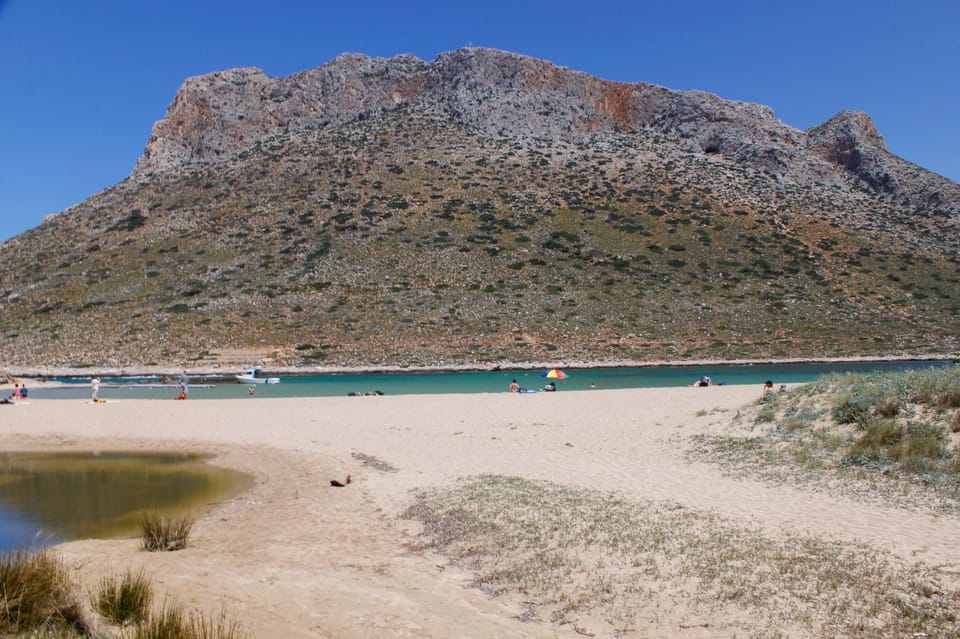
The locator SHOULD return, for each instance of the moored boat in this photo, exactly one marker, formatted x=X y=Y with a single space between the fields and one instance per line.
x=250 y=376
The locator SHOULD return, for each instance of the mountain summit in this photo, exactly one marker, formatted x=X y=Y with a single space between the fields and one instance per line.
x=487 y=207
x=215 y=116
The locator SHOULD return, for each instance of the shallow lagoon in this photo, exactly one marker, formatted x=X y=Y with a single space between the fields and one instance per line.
x=47 y=498
x=418 y=383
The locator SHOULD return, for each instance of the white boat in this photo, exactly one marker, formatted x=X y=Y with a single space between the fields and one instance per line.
x=249 y=376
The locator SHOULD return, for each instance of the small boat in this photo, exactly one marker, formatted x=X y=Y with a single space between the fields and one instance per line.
x=249 y=376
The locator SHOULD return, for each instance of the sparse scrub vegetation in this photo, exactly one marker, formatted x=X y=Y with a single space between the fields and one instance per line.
x=891 y=436
x=327 y=222
x=570 y=554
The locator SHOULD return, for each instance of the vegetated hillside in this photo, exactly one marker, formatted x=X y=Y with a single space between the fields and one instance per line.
x=408 y=235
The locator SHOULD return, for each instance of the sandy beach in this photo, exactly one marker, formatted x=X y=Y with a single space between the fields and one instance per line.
x=295 y=557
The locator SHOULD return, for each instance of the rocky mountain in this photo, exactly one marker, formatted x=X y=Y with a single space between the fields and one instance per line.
x=480 y=208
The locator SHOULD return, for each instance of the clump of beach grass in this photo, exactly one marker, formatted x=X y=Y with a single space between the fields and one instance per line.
x=173 y=621
x=36 y=596
x=886 y=436
x=568 y=554
x=160 y=532
x=125 y=600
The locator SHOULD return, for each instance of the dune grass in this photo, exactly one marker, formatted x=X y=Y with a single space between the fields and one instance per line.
x=159 y=532
x=173 y=621
x=38 y=601
x=602 y=563
x=125 y=600
x=886 y=436
x=37 y=596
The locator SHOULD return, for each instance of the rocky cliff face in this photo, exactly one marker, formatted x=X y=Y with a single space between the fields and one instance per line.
x=500 y=93
x=503 y=94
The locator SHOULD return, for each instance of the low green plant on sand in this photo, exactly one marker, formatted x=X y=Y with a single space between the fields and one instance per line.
x=890 y=436
x=567 y=555
x=125 y=600
x=159 y=532
x=36 y=596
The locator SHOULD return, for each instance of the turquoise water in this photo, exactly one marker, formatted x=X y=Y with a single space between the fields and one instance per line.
x=331 y=385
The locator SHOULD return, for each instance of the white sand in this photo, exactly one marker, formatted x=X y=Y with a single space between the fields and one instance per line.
x=297 y=558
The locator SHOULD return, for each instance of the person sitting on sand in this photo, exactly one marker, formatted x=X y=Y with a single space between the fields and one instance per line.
x=550 y=387
x=704 y=381
x=514 y=387
x=767 y=388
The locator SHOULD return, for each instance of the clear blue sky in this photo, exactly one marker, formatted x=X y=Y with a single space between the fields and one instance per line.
x=84 y=80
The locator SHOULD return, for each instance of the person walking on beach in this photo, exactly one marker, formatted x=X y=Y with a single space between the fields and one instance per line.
x=94 y=387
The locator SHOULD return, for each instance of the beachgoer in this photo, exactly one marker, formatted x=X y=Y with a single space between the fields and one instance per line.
x=7 y=400
x=94 y=387
x=783 y=388
x=767 y=388
x=704 y=381
x=514 y=387
x=184 y=381
x=550 y=387
x=16 y=391
x=23 y=392
x=252 y=390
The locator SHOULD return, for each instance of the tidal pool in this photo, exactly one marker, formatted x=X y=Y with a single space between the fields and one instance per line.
x=48 y=498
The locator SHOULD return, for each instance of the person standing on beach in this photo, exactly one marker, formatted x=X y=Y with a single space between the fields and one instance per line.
x=184 y=388
x=94 y=387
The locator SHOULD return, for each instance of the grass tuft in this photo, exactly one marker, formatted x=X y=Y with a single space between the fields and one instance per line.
x=159 y=533
x=125 y=600
x=169 y=622
x=214 y=627
x=36 y=594
x=173 y=622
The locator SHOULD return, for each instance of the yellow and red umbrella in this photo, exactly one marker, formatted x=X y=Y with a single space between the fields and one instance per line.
x=555 y=373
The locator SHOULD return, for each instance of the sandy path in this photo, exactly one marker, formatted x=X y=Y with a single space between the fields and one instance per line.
x=295 y=558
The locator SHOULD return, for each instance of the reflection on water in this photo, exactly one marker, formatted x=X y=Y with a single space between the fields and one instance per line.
x=53 y=497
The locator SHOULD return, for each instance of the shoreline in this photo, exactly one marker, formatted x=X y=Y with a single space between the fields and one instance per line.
x=296 y=558
x=35 y=373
